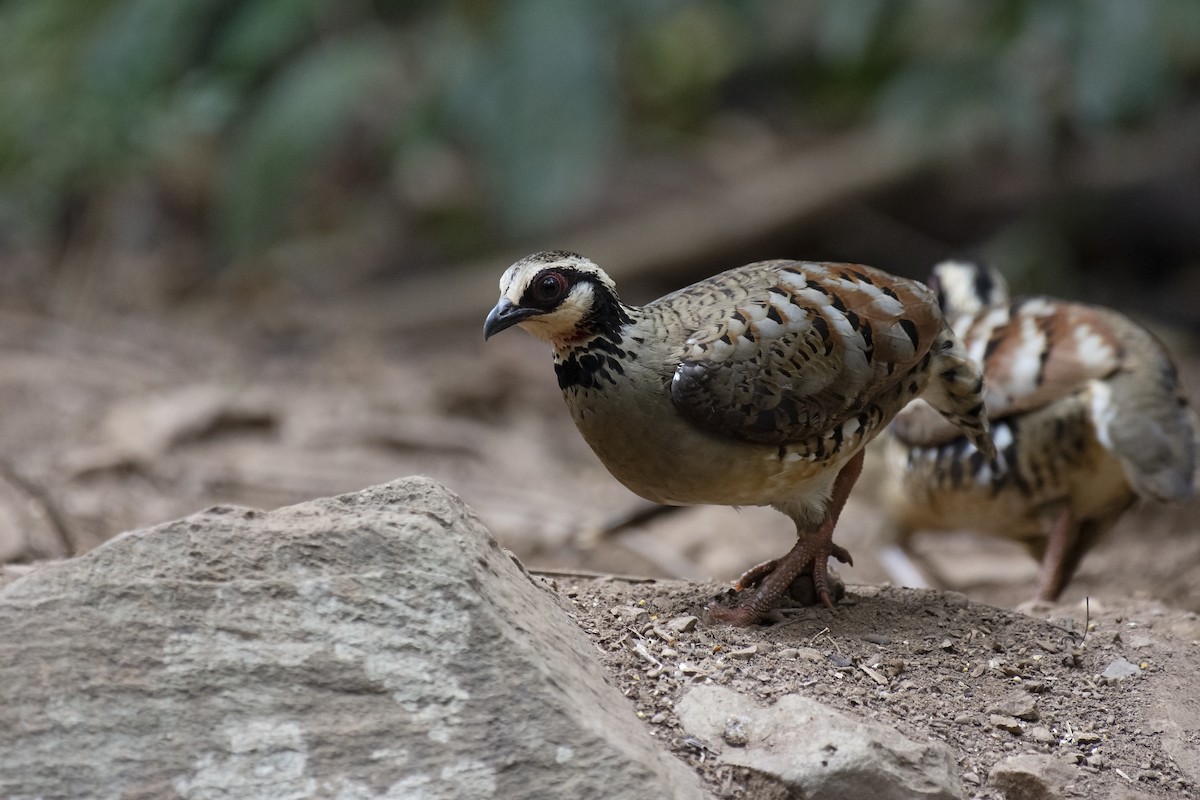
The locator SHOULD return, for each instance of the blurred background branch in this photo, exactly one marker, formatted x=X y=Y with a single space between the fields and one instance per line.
x=181 y=144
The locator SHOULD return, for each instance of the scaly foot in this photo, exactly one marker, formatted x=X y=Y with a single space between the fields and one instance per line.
x=762 y=587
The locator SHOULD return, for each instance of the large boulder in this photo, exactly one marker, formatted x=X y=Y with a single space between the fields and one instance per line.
x=374 y=645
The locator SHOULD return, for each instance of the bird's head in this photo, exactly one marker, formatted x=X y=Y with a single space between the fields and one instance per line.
x=964 y=287
x=558 y=297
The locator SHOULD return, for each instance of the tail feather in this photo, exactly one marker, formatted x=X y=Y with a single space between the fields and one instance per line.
x=1142 y=415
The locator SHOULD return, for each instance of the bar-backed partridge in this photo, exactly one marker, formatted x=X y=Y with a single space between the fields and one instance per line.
x=758 y=386
x=1087 y=414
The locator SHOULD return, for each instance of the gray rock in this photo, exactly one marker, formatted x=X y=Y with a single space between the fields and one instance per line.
x=1176 y=714
x=1119 y=669
x=1021 y=705
x=1042 y=734
x=1032 y=777
x=374 y=645
x=814 y=751
x=1006 y=723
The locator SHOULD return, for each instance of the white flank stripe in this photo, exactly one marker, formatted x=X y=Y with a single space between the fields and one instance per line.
x=1092 y=350
x=1103 y=411
x=1027 y=360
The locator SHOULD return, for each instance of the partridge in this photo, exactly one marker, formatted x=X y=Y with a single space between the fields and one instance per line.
x=1087 y=414
x=758 y=386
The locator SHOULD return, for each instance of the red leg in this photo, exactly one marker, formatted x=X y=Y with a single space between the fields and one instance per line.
x=770 y=580
x=1056 y=560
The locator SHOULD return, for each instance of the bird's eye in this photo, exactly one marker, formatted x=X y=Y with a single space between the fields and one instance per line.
x=550 y=287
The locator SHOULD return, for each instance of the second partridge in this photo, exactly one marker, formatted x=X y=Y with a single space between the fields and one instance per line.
x=1087 y=413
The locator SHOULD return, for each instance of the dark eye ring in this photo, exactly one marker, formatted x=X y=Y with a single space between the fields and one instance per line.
x=550 y=287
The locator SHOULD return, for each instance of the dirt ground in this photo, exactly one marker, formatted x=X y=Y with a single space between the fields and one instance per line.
x=117 y=423
x=988 y=682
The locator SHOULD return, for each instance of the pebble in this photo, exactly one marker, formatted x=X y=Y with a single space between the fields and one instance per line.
x=734 y=734
x=665 y=635
x=840 y=661
x=1041 y=734
x=877 y=638
x=802 y=653
x=630 y=613
x=683 y=624
x=1119 y=669
x=744 y=652
x=1021 y=705
x=1006 y=723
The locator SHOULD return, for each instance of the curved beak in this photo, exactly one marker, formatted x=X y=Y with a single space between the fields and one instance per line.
x=505 y=315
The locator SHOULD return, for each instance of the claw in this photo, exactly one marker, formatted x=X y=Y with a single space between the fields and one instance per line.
x=762 y=586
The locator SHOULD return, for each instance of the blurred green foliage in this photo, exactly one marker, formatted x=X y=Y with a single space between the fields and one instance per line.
x=266 y=118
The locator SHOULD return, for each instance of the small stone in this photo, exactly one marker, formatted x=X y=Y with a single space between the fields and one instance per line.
x=659 y=718
x=744 y=652
x=1095 y=760
x=735 y=734
x=964 y=719
x=1120 y=669
x=877 y=638
x=1087 y=737
x=683 y=624
x=803 y=654
x=1041 y=734
x=629 y=614
x=1006 y=723
x=1021 y=705
x=809 y=750
x=840 y=661
x=955 y=600
x=1032 y=777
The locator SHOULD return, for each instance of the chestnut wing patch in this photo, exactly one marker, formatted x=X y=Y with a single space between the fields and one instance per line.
x=784 y=351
